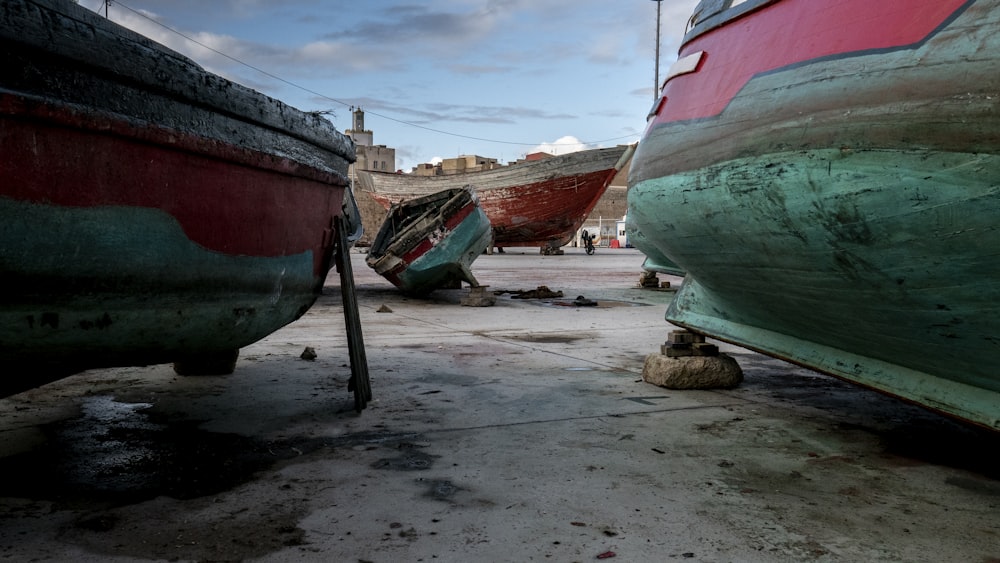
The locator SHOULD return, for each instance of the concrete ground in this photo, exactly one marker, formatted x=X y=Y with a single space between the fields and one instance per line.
x=518 y=432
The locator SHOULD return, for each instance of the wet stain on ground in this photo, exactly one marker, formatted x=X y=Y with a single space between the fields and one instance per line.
x=946 y=443
x=550 y=338
x=126 y=453
x=924 y=438
x=410 y=459
x=140 y=483
x=439 y=489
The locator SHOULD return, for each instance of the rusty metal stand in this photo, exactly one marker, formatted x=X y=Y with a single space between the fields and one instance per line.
x=360 y=383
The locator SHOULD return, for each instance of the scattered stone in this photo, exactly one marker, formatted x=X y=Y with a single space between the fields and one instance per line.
x=692 y=372
x=308 y=354
x=478 y=297
x=582 y=301
x=686 y=343
x=649 y=279
x=383 y=309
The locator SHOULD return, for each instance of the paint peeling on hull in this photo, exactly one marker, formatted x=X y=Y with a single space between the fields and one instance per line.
x=150 y=211
x=536 y=203
x=841 y=212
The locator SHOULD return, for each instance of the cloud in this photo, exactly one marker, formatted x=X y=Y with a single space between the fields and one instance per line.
x=419 y=29
x=434 y=114
x=238 y=59
x=562 y=145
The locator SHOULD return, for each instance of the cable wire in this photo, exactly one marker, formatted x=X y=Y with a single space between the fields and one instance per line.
x=325 y=97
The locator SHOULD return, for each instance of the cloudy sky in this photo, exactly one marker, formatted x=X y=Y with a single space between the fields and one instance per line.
x=436 y=78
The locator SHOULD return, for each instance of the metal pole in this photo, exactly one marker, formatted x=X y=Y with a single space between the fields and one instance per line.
x=656 y=76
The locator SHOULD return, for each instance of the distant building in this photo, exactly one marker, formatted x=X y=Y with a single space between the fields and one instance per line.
x=459 y=165
x=534 y=156
x=370 y=156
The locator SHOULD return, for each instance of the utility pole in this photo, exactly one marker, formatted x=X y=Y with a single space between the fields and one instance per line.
x=656 y=76
x=107 y=3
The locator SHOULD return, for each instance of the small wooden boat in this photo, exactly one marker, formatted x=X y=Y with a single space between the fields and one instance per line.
x=430 y=242
x=827 y=175
x=150 y=211
x=535 y=203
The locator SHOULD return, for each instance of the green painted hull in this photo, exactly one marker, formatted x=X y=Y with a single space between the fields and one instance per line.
x=430 y=242
x=886 y=272
x=110 y=285
x=150 y=211
x=840 y=212
x=655 y=260
x=451 y=259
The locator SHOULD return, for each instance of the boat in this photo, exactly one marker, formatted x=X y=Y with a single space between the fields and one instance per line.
x=533 y=203
x=150 y=211
x=655 y=261
x=828 y=176
x=430 y=242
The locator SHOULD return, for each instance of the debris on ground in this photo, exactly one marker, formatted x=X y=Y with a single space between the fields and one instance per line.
x=649 y=279
x=308 y=354
x=383 y=309
x=582 y=301
x=541 y=292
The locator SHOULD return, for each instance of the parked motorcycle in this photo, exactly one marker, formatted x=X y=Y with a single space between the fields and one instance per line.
x=588 y=242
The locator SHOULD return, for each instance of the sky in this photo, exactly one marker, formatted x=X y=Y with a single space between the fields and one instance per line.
x=436 y=78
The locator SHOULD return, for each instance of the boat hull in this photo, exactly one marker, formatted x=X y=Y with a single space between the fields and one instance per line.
x=442 y=234
x=839 y=211
x=536 y=203
x=151 y=212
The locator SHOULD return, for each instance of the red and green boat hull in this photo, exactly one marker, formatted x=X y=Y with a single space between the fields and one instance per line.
x=430 y=242
x=827 y=176
x=150 y=212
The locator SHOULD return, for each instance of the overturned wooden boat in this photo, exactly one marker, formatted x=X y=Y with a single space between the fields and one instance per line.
x=150 y=211
x=430 y=242
x=827 y=175
x=535 y=203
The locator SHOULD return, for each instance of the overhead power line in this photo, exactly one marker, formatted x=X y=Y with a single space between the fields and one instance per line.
x=346 y=104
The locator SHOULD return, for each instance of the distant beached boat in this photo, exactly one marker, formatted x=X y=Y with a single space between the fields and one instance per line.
x=150 y=211
x=430 y=242
x=536 y=203
x=828 y=175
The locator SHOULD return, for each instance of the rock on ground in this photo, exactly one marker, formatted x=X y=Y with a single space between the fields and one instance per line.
x=692 y=372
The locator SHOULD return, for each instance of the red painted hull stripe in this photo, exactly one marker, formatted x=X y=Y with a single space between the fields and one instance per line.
x=794 y=32
x=425 y=245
